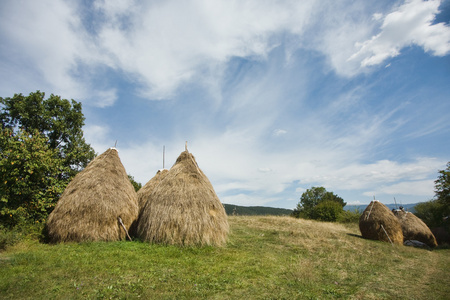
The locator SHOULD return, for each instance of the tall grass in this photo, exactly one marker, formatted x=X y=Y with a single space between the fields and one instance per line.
x=265 y=258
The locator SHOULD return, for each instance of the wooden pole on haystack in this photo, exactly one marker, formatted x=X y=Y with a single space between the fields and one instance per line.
x=164 y=153
x=387 y=235
x=124 y=228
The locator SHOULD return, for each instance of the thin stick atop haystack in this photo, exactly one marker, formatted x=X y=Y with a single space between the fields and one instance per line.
x=184 y=208
x=89 y=208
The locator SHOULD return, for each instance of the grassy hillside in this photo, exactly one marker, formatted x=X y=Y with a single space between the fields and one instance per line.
x=237 y=210
x=266 y=257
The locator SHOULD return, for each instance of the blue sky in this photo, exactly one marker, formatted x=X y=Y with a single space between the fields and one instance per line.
x=273 y=97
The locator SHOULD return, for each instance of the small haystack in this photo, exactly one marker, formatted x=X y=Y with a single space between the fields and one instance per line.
x=145 y=192
x=414 y=228
x=184 y=208
x=89 y=208
x=377 y=222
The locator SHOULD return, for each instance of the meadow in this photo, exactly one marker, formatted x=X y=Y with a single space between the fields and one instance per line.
x=266 y=257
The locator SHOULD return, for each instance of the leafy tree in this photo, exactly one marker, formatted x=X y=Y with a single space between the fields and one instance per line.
x=431 y=212
x=59 y=120
x=311 y=198
x=29 y=177
x=435 y=211
x=42 y=148
x=137 y=185
x=328 y=211
x=442 y=189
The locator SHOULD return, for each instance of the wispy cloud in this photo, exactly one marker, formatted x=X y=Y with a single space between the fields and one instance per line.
x=274 y=96
x=409 y=24
x=163 y=45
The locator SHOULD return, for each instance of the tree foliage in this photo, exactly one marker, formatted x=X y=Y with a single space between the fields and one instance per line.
x=435 y=211
x=29 y=174
x=59 y=120
x=431 y=212
x=137 y=185
x=309 y=208
x=328 y=211
x=42 y=148
x=442 y=189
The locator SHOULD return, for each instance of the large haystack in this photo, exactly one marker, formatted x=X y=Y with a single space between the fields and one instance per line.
x=377 y=222
x=145 y=192
x=184 y=208
x=89 y=208
x=414 y=228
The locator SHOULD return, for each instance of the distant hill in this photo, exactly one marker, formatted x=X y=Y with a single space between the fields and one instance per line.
x=232 y=209
x=361 y=208
x=273 y=211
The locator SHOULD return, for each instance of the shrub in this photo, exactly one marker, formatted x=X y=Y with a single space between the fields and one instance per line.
x=431 y=212
x=327 y=211
x=10 y=236
x=349 y=216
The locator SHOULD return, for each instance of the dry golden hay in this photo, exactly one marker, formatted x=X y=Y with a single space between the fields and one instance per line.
x=89 y=208
x=377 y=222
x=184 y=209
x=145 y=192
x=414 y=228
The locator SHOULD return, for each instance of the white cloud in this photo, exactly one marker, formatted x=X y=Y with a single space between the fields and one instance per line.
x=278 y=132
x=45 y=43
x=410 y=24
x=97 y=137
x=167 y=44
x=163 y=45
x=416 y=188
x=355 y=202
x=377 y=16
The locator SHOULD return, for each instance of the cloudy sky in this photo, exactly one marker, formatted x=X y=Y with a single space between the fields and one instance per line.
x=273 y=97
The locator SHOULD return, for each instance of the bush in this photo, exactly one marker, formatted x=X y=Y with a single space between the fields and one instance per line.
x=309 y=201
x=10 y=236
x=327 y=211
x=29 y=175
x=431 y=212
x=349 y=216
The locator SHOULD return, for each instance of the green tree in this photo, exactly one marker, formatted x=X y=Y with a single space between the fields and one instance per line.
x=42 y=148
x=311 y=198
x=59 y=120
x=442 y=189
x=137 y=185
x=431 y=212
x=328 y=211
x=29 y=177
x=434 y=212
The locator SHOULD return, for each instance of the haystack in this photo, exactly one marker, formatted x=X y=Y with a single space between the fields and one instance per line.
x=414 y=228
x=184 y=208
x=377 y=222
x=145 y=192
x=89 y=208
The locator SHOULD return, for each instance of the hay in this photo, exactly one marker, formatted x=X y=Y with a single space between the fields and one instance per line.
x=184 y=209
x=377 y=216
x=145 y=192
x=89 y=208
x=414 y=228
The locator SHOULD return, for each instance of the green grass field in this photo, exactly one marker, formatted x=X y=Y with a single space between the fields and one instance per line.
x=266 y=258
